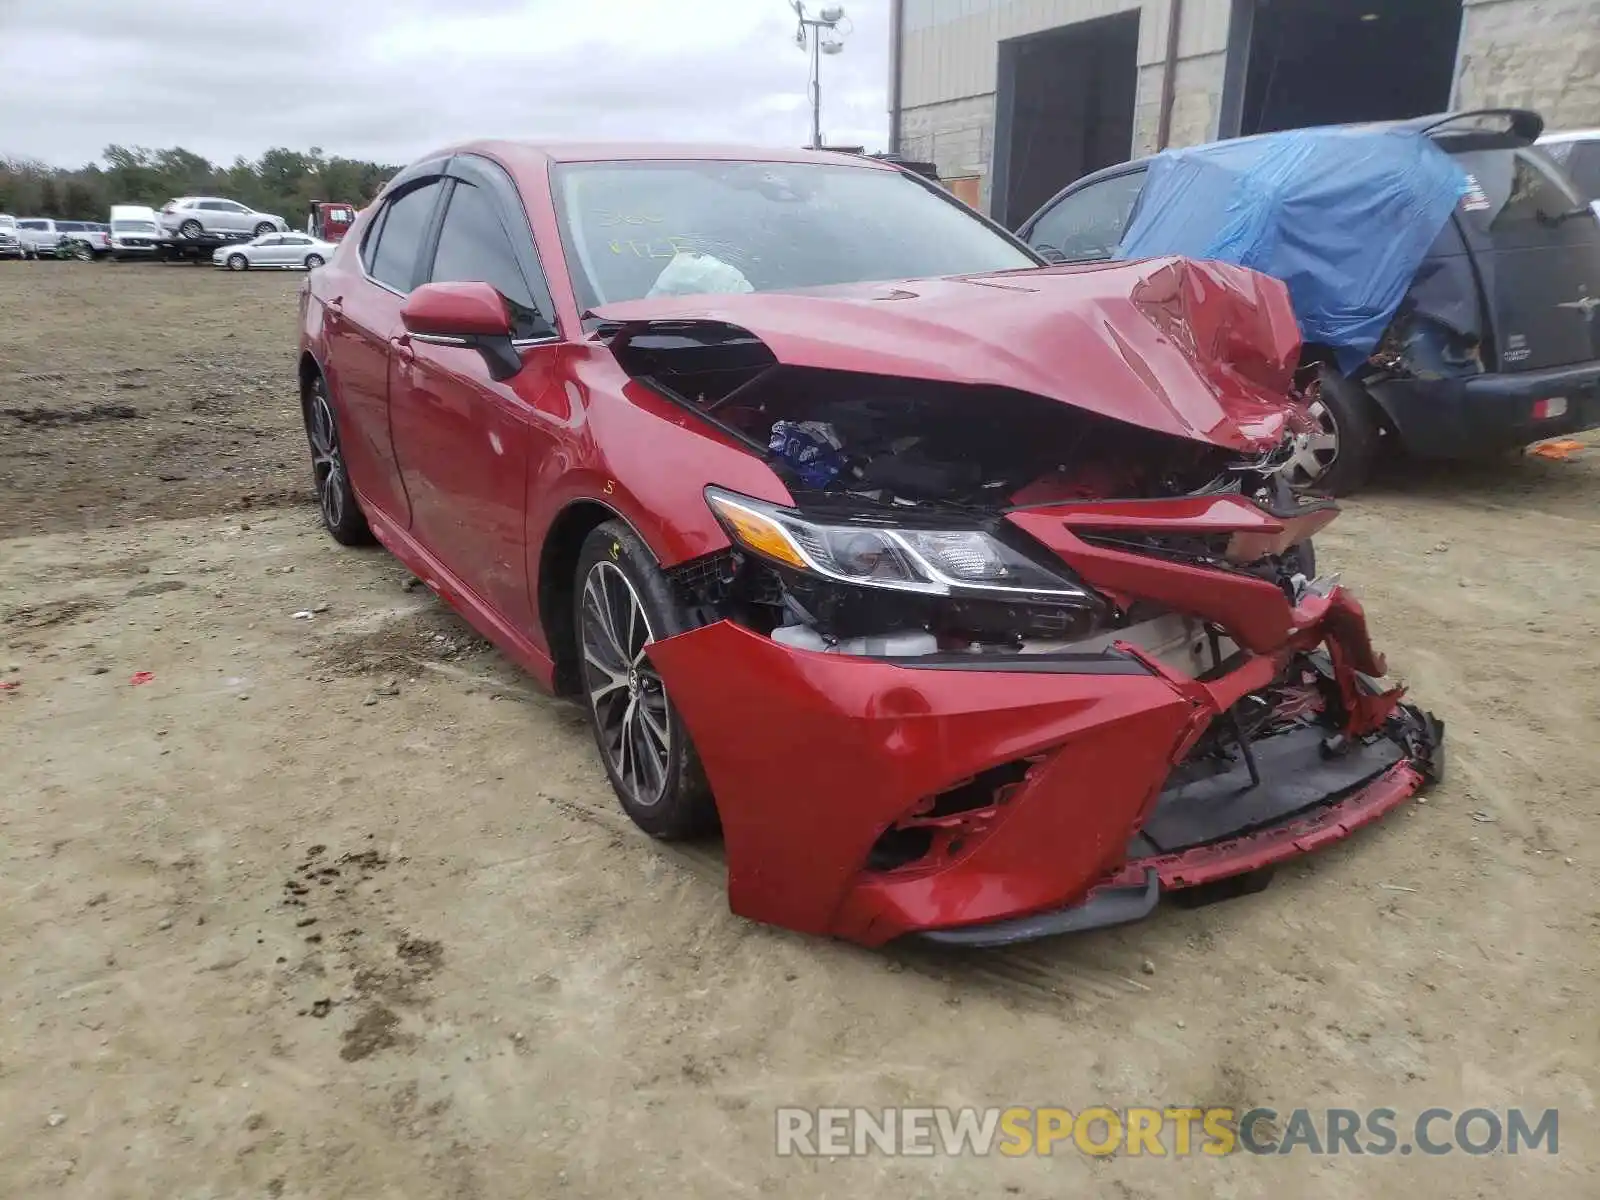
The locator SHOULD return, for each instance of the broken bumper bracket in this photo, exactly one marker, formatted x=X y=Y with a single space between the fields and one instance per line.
x=1116 y=905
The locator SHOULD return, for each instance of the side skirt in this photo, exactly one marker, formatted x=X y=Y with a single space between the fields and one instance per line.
x=459 y=596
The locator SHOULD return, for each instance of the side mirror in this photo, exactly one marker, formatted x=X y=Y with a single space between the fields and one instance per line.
x=464 y=314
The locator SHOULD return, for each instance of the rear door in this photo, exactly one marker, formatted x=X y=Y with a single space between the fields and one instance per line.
x=1536 y=244
x=362 y=317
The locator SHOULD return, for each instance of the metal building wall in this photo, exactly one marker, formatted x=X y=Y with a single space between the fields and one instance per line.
x=949 y=61
x=1540 y=54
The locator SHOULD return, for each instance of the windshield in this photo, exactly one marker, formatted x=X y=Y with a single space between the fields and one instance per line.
x=133 y=227
x=635 y=229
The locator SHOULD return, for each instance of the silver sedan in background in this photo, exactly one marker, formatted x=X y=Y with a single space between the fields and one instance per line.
x=274 y=250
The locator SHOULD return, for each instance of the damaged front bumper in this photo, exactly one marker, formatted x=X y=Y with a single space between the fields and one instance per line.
x=982 y=799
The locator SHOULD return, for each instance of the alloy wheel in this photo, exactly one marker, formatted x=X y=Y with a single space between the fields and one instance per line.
x=1316 y=450
x=629 y=699
x=313 y=261
x=327 y=464
x=237 y=262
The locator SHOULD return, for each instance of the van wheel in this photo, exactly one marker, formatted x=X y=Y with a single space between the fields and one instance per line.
x=1337 y=455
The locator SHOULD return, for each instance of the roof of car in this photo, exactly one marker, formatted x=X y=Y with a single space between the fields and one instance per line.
x=563 y=152
x=1416 y=124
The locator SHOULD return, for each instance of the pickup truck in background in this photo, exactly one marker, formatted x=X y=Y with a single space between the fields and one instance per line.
x=135 y=232
x=43 y=237
x=11 y=238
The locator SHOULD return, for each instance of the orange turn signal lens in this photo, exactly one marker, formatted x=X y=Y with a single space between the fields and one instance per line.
x=756 y=531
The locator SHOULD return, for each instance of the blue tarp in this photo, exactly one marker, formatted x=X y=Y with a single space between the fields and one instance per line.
x=1343 y=215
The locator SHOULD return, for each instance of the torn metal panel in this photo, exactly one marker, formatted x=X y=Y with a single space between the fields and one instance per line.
x=1193 y=350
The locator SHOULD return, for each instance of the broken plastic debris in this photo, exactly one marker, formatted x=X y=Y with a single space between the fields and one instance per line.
x=303 y=615
x=812 y=448
x=141 y=677
x=1559 y=450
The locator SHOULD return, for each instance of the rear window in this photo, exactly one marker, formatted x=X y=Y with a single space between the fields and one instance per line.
x=1581 y=161
x=133 y=227
x=1517 y=199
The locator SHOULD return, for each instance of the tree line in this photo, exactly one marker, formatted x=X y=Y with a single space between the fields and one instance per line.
x=281 y=181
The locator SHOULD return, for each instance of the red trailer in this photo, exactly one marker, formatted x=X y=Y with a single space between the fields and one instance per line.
x=330 y=219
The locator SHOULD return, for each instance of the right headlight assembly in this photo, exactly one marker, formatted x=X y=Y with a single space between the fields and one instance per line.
x=898 y=557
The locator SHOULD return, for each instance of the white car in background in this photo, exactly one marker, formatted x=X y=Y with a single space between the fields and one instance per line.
x=275 y=250
x=200 y=216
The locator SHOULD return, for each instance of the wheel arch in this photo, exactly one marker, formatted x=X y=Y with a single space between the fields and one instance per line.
x=308 y=371
x=554 y=595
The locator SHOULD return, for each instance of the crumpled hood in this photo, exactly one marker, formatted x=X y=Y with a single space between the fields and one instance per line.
x=1199 y=350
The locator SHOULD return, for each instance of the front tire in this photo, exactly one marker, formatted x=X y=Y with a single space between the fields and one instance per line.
x=623 y=603
x=313 y=261
x=238 y=262
x=1337 y=457
x=336 y=499
x=265 y=228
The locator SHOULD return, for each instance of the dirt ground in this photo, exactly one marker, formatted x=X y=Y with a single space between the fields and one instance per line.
x=338 y=906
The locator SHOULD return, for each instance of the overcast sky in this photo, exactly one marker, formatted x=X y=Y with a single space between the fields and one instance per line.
x=392 y=79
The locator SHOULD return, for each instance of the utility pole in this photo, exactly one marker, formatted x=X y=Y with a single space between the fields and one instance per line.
x=809 y=34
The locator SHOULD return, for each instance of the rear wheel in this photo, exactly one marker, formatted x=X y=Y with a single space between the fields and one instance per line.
x=1337 y=455
x=623 y=604
x=238 y=262
x=190 y=229
x=336 y=500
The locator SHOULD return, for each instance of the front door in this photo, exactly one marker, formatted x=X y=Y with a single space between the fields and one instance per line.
x=464 y=441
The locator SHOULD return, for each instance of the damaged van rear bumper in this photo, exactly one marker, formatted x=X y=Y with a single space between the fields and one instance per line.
x=982 y=801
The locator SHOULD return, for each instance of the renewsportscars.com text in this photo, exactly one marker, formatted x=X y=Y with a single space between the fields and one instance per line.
x=1170 y=1131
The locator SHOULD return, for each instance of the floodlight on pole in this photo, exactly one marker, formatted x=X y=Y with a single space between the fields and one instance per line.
x=811 y=30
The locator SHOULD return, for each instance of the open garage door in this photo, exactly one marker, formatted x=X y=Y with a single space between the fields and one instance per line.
x=1064 y=108
x=1327 y=62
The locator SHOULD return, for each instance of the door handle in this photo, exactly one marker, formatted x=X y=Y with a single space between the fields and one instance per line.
x=403 y=353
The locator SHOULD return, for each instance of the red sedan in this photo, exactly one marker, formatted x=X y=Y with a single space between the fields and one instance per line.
x=963 y=592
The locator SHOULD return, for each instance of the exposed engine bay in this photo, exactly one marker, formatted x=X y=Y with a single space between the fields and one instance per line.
x=867 y=454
